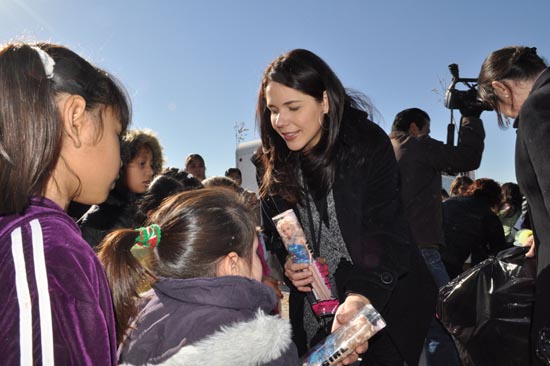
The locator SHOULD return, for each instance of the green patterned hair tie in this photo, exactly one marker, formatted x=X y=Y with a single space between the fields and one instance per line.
x=149 y=236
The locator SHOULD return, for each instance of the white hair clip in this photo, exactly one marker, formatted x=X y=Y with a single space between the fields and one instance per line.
x=47 y=61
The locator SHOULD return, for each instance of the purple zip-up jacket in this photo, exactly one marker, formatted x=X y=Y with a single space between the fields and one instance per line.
x=55 y=303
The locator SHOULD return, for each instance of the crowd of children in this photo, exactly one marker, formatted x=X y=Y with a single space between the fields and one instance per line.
x=165 y=266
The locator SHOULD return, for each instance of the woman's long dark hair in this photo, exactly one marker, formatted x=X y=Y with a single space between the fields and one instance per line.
x=198 y=228
x=306 y=72
x=30 y=123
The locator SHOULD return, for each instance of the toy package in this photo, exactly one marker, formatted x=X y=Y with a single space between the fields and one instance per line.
x=338 y=345
x=293 y=237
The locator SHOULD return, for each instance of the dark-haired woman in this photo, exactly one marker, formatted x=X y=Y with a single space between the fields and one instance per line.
x=323 y=157
x=515 y=81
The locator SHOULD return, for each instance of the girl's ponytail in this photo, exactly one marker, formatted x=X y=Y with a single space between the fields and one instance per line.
x=126 y=275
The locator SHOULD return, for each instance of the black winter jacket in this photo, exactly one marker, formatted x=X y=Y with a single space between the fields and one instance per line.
x=533 y=175
x=470 y=228
x=388 y=269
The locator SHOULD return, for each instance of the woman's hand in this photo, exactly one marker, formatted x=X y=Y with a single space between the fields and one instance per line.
x=299 y=274
x=530 y=242
x=346 y=311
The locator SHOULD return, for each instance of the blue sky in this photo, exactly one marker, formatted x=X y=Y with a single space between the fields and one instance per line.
x=192 y=68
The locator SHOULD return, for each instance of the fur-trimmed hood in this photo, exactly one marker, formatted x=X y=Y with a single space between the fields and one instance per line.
x=132 y=140
x=263 y=340
x=214 y=321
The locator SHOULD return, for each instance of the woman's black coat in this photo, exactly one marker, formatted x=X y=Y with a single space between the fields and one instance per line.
x=533 y=175
x=387 y=268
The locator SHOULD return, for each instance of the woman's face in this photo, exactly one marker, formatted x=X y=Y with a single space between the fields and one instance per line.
x=511 y=95
x=507 y=108
x=197 y=168
x=139 y=171
x=295 y=116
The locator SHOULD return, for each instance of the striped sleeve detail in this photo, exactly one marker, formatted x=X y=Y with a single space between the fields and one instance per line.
x=44 y=305
x=24 y=297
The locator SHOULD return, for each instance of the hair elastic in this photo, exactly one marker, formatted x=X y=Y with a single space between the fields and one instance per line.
x=149 y=236
x=47 y=61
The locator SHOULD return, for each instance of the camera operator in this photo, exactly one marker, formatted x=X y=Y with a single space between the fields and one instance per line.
x=515 y=82
x=421 y=160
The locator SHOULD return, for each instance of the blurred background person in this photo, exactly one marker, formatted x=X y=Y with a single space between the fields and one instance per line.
x=471 y=226
x=460 y=185
x=510 y=210
x=194 y=164
x=235 y=174
x=421 y=160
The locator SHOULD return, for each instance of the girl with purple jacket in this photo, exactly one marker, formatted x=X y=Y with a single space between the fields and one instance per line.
x=60 y=122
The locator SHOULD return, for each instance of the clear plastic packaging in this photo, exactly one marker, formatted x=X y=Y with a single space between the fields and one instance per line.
x=293 y=237
x=342 y=342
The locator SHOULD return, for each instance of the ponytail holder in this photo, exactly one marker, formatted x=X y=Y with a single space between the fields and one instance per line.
x=149 y=236
x=47 y=61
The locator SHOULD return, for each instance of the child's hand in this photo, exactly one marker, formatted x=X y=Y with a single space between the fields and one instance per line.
x=299 y=274
x=346 y=311
x=274 y=284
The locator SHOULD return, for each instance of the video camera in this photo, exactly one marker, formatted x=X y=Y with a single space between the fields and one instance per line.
x=463 y=99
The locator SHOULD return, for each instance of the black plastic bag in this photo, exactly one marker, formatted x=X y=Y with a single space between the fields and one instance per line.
x=488 y=309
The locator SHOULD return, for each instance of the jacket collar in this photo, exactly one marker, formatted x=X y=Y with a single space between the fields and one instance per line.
x=234 y=292
x=543 y=79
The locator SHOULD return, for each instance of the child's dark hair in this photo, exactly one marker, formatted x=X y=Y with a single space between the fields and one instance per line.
x=198 y=228
x=219 y=181
x=160 y=188
x=134 y=140
x=30 y=123
x=230 y=171
x=188 y=181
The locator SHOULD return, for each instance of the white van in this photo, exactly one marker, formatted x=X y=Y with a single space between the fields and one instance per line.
x=244 y=152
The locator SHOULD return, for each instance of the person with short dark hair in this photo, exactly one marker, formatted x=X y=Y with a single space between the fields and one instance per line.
x=188 y=180
x=235 y=174
x=421 y=160
x=515 y=82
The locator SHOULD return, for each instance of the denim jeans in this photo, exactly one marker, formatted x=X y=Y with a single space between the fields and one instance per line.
x=439 y=347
